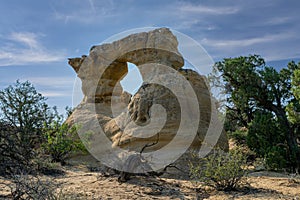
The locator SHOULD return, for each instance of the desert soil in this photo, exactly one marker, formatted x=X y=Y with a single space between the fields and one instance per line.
x=81 y=182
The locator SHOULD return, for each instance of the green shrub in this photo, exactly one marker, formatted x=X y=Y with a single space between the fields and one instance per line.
x=239 y=136
x=23 y=115
x=275 y=159
x=61 y=141
x=266 y=139
x=221 y=170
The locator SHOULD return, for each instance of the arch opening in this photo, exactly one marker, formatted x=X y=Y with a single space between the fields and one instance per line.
x=133 y=79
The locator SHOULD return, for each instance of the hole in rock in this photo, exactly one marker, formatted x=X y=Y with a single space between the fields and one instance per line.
x=133 y=79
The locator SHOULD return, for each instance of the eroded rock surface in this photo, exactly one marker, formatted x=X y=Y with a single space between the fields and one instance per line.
x=121 y=116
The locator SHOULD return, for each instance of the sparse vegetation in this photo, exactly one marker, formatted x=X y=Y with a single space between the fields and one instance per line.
x=262 y=116
x=221 y=170
x=30 y=133
x=29 y=126
x=32 y=187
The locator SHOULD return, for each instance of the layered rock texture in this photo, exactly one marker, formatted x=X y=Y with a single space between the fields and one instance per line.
x=150 y=119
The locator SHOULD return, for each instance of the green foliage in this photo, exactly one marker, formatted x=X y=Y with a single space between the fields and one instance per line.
x=296 y=84
x=221 y=170
x=237 y=73
x=293 y=108
x=26 y=124
x=25 y=110
x=263 y=133
x=275 y=158
x=239 y=136
x=251 y=88
x=23 y=114
x=69 y=111
x=61 y=141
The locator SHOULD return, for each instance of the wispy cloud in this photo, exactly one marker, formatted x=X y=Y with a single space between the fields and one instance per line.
x=272 y=47
x=201 y=9
x=186 y=24
x=23 y=48
x=277 y=20
x=29 y=39
x=277 y=55
x=246 y=41
x=194 y=15
x=88 y=12
x=54 y=94
x=91 y=2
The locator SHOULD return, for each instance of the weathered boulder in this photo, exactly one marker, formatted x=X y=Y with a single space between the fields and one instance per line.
x=121 y=116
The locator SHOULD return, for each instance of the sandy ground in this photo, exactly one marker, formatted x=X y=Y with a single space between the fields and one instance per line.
x=80 y=182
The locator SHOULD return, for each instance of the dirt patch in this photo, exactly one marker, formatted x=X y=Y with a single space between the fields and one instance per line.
x=80 y=182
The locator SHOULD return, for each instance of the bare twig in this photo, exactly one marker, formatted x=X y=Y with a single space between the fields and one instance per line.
x=150 y=145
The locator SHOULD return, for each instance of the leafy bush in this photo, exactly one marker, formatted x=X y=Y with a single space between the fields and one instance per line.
x=61 y=141
x=239 y=136
x=275 y=158
x=221 y=170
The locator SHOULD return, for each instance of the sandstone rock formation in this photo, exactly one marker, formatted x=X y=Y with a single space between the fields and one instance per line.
x=132 y=123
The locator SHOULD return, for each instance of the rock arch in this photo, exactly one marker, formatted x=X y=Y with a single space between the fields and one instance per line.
x=103 y=69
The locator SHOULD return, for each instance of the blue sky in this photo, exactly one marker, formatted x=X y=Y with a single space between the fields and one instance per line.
x=37 y=37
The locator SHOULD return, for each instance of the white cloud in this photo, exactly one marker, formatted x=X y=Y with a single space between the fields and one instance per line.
x=23 y=48
x=201 y=9
x=29 y=39
x=247 y=41
x=54 y=94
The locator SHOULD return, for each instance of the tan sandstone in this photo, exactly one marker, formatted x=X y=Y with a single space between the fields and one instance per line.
x=119 y=115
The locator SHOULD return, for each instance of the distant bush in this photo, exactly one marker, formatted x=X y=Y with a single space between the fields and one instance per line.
x=221 y=170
